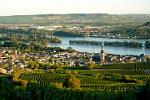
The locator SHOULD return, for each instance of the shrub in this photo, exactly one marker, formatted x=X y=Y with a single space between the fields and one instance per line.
x=99 y=76
x=126 y=79
x=74 y=72
x=71 y=82
x=16 y=73
x=20 y=82
x=67 y=72
x=91 y=65
x=58 y=85
x=117 y=76
x=23 y=82
x=144 y=92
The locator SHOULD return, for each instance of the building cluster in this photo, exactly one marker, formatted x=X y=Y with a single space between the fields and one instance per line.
x=11 y=58
x=105 y=58
x=101 y=31
x=89 y=30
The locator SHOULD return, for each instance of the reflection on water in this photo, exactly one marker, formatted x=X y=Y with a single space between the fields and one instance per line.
x=108 y=49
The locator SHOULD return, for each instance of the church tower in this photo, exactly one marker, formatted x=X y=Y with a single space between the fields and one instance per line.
x=11 y=63
x=102 y=56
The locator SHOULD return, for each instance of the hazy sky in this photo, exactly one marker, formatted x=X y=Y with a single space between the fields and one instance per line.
x=19 y=7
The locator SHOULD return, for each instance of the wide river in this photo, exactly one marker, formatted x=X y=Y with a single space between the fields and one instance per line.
x=108 y=49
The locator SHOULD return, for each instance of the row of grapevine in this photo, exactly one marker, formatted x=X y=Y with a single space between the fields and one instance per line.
x=43 y=78
x=133 y=66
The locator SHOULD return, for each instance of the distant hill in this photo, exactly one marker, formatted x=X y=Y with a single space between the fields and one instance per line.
x=142 y=31
x=46 y=19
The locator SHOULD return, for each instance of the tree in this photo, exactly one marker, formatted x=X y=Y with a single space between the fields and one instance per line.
x=71 y=82
x=56 y=66
x=69 y=49
x=147 y=44
x=144 y=91
x=91 y=65
x=33 y=64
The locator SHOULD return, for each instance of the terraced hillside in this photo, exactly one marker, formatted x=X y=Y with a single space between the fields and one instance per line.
x=111 y=82
x=111 y=77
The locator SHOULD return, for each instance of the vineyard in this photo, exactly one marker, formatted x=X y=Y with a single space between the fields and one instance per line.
x=107 y=78
x=109 y=82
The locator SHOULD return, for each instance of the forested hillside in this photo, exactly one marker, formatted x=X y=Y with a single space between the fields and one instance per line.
x=142 y=31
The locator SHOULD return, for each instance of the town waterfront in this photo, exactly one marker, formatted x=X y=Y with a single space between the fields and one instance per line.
x=108 y=49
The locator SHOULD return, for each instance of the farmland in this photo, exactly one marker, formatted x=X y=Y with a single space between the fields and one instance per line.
x=109 y=83
x=103 y=82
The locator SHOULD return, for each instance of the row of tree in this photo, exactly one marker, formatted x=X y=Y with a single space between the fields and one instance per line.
x=147 y=44
x=131 y=44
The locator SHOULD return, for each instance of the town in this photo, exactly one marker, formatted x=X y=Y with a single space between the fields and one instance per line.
x=75 y=50
x=10 y=59
x=86 y=31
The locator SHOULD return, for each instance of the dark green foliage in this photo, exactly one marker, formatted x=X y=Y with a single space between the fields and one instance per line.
x=127 y=79
x=55 y=40
x=144 y=91
x=26 y=39
x=19 y=82
x=40 y=92
x=147 y=44
x=119 y=81
x=69 y=49
x=131 y=44
x=127 y=66
x=147 y=24
x=142 y=31
x=84 y=42
x=44 y=78
x=67 y=34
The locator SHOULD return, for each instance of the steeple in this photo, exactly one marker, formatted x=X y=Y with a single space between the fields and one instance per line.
x=102 y=48
x=11 y=63
x=102 y=54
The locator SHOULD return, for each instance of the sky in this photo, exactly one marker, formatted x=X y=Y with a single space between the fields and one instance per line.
x=29 y=7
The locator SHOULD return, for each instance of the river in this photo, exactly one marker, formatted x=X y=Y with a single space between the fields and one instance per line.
x=108 y=49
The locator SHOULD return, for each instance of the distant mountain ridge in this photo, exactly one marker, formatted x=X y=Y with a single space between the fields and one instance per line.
x=75 y=18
